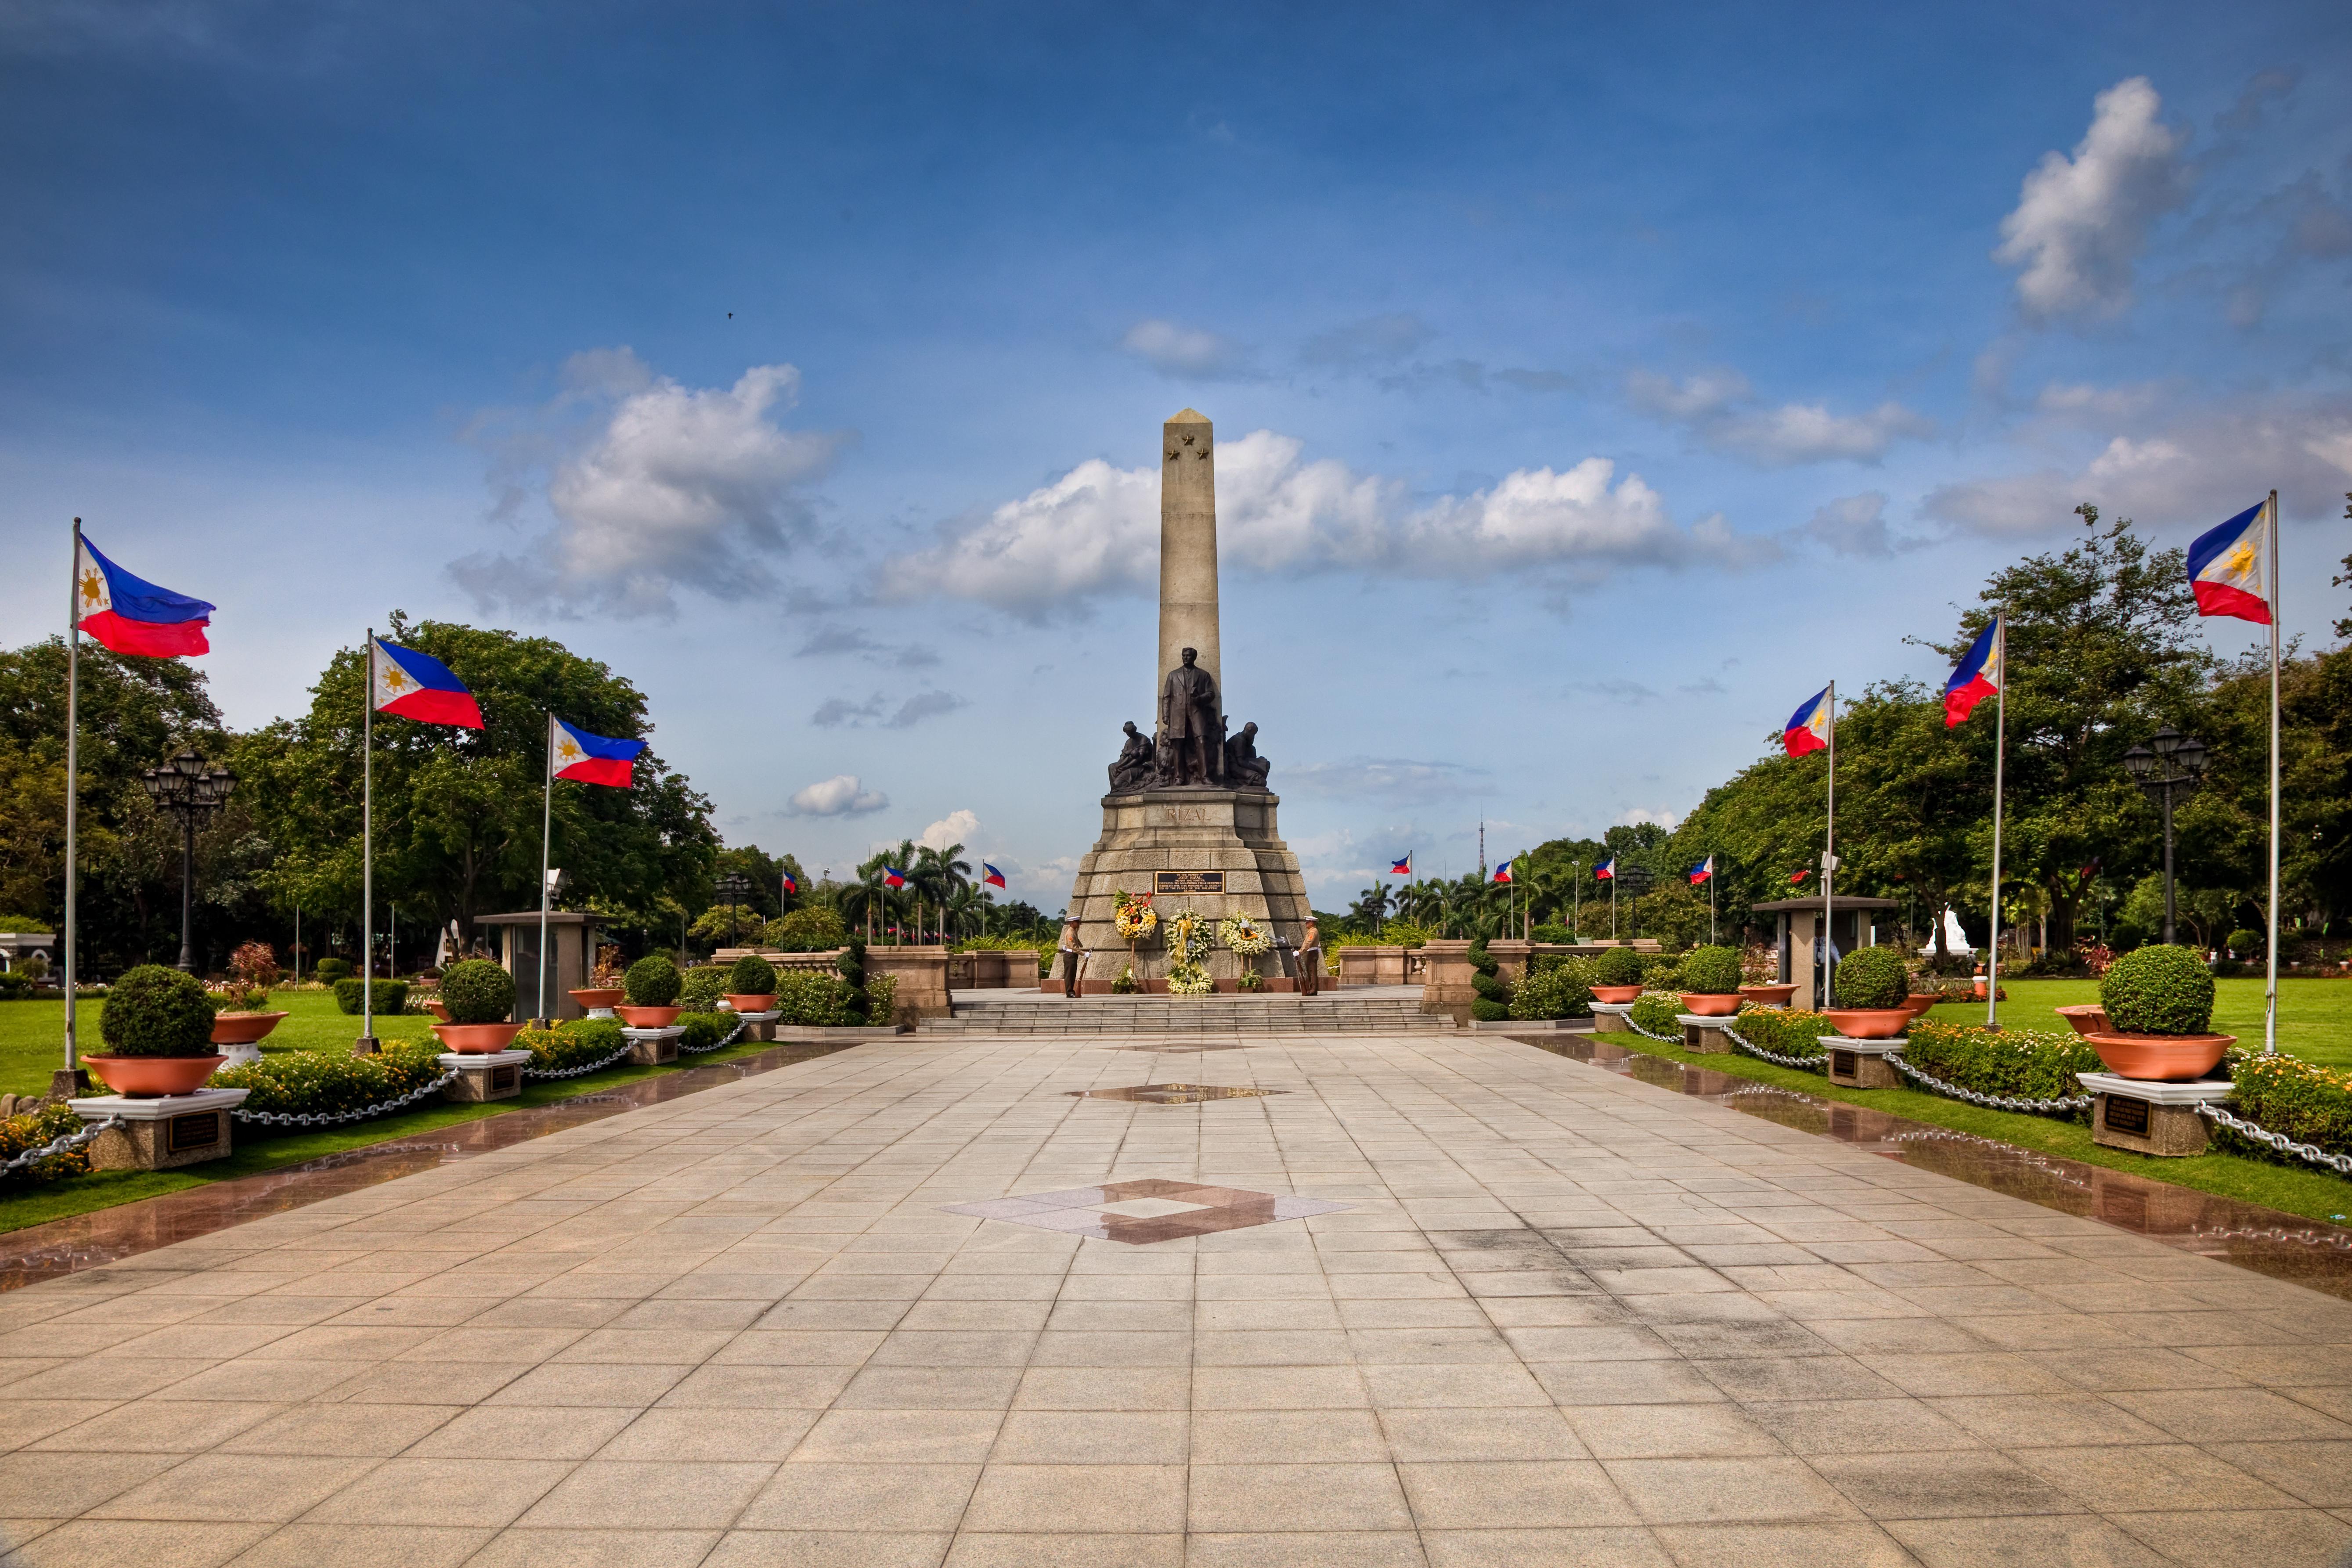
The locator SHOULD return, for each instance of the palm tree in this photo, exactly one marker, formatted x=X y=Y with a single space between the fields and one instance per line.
x=940 y=874
x=1373 y=905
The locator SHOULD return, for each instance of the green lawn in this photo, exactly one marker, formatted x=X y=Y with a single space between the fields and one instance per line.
x=2315 y=1016
x=32 y=1046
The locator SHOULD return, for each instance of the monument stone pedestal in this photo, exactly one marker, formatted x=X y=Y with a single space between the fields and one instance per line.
x=1862 y=1064
x=483 y=1075
x=1217 y=852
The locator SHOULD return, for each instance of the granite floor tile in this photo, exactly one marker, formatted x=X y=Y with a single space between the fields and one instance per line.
x=1257 y=1498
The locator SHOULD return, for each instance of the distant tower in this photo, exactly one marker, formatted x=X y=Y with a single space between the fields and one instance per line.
x=1482 y=849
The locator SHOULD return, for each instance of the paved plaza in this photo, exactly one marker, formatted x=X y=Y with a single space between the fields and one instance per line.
x=1438 y=1298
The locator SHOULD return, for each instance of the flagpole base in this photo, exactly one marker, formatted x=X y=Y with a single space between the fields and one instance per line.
x=66 y=1083
x=366 y=1046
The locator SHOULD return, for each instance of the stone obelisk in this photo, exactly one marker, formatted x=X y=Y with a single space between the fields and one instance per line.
x=1188 y=544
x=1211 y=849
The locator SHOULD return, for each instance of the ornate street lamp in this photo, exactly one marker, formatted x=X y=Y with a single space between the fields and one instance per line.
x=1636 y=880
x=2167 y=767
x=734 y=888
x=191 y=789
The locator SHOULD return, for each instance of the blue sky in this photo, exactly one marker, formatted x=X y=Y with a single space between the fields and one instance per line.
x=1589 y=387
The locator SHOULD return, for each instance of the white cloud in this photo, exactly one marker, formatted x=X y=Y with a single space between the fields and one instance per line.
x=1721 y=409
x=1669 y=820
x=956 y=827
x=672 y=488
x=1185 y=353
x=840 y=795
x=1852 y=525
x=842 y=713
x=1096 y=529
x=2081 y=223
x=2200 y=465
x=1397 y=780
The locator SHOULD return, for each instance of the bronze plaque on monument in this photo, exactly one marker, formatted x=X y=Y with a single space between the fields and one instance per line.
x=1188 y=882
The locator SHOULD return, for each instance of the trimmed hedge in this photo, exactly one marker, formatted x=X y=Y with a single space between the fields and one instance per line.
x=702 y=989
x=857 y=1001
x=1618 y=966
x=330 y=969
x=476 y=991
x=1559 y=987
x=1783 y=1031
x=652 y=981
x=1711 y=972
x=2309 y=1104
x=297 y=1083
x=1492 y=1002
x=2158 y=990
x=751 y=976
x=704 y=1030
x=1660 y=1012
x=157 y=1012
x=391 y=996
x=572 y=1044
x=2024 y=1063
x=1871 y=977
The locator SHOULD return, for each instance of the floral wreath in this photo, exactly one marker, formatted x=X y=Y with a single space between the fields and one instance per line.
x=1244 y=936
x=1134 y=918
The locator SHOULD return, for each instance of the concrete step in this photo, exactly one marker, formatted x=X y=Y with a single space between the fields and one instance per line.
x=1185 y=1016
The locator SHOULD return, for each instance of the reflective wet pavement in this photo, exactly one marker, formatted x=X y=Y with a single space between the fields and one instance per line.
x=87 y=1241
x=2265 y=1240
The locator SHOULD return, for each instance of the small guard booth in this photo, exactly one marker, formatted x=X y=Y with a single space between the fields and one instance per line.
x=571 y=943
x=1853 y=923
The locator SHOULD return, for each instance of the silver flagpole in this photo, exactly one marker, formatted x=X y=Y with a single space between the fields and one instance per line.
x=2270 y=995
x=367 y=853
x=1829 y=854
x=2000 y=757
x=546 y=836
x=73 y=784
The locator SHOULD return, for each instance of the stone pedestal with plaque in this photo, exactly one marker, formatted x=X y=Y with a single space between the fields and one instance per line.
x=1214 y=852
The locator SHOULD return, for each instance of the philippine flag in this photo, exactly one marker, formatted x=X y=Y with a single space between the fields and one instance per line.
x=418 y=686
x=990 y=875
x=1799 y=876
x=791 y=883
x=1809 y=726
x=592 y=759
x=1607 y=870
x=1503 y=873
x=2226 y=566
x=1703 y=870
x=1400 y=867
x=1979 y=675
x=130 y=615
x=893 y=877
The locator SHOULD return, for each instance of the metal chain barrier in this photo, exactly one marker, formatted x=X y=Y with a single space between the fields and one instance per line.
x=1802 y=1064
x=65 y=1145
x=547 y=1075
x=733 y=1035
x=1662 y=1039
x=2339 y=1164
x=1992 y=1102
x=339 y=1118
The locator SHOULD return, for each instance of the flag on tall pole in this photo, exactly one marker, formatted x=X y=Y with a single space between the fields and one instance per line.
x=572 y=753
x=126 y=615
x=1402 y=866
x=1813 y=727
x=1983 y=671
x=990 y=875
x=1703 y=871
x=413 y=685
x=2234 y=570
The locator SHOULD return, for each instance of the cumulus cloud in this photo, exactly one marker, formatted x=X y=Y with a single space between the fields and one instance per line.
x=1721 y=409
x=664 y=487
x=841 y=795
x=1096 y=529
x=1669 y=820
x=1852 y=525
x=2201 y=464
x=955 y=828
x=1184 y=353
x=2082 y=222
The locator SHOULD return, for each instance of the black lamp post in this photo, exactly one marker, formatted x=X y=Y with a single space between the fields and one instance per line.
x=734 y=888
x=1636 y=880
x=2168 y=766
x=191 y=789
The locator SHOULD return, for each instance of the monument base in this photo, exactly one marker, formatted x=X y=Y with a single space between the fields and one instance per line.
x=2151 y=1117
x=162 y=1133
x=1214 y=852
x=653 y=1048
x=492 y=1075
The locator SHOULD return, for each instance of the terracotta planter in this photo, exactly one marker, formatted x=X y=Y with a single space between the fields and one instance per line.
x=476 y=1039
x=749 y=1003
x=648 y=1017
x=1615 y=994
x=2167 y=1058
x=2085 y=1018
x=148 y=1078
x=600 y=996
x=243 y=1028
x=1712 y=1004
x=438 y=1009
x=1918 y=1002
x=1868 y=1023
x=1768 y=995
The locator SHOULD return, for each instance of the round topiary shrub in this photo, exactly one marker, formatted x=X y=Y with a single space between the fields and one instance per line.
x=157 y=1012
x=1873 y=977
x=476 y=991
x=2155 y=990
x=331 y=969
x=751 y=976
x=1711 y=972
x=856 y=1001
x=652 y=981
x=2245 y=943
x=1618 y=966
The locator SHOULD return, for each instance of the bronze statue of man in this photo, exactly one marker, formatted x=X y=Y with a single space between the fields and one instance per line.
x=1132 y=771
x=1191 y=738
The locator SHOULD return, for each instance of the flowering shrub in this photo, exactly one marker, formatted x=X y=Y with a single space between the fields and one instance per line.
x=1760 y=964
x=255 y=964
x=814 y=1000
x=2309 y=1104
x=573 y=1044
x=297 y=1083
x=1784 y=1031
x=1660 y=1012
x=46 y=1124
x=2026 y=1064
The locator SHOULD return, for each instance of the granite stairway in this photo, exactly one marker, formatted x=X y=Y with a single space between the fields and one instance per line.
x=1333 y=1013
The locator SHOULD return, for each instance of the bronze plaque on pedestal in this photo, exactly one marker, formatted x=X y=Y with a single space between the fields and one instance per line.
x=198 y=1129
x=1188 y=882
x=2126 y=1114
